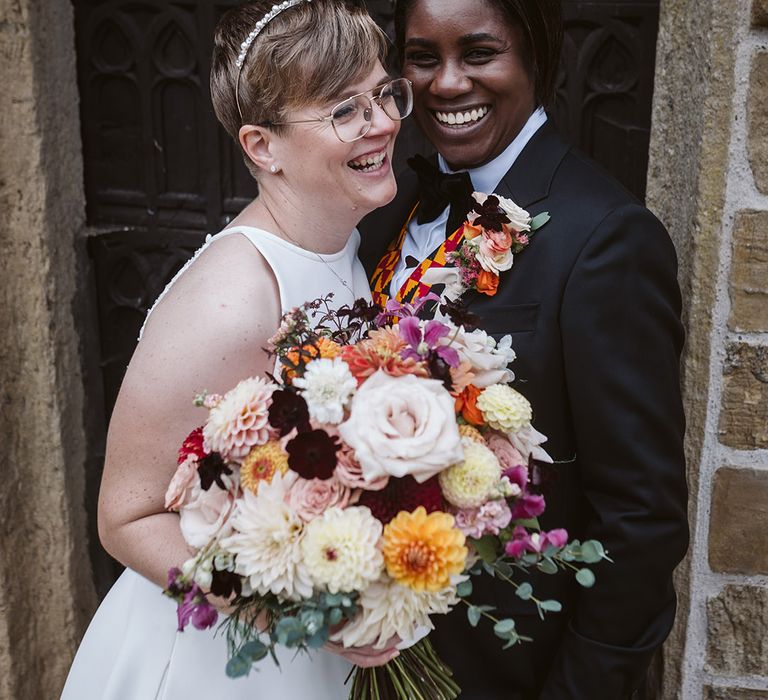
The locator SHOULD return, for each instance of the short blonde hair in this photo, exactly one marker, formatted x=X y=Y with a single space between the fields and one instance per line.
x=307 y=54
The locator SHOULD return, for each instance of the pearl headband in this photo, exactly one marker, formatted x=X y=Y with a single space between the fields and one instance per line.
x=246 y=45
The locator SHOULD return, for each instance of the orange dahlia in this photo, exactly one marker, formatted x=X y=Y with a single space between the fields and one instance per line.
x=323 y=348
x=423 y=551
x=261 y=464
x=381 y=350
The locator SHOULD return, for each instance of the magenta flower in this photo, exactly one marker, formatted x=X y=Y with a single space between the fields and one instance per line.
x=196 y=609
x=517 y=475
x=518 y=545
x=395 y=309
x=523 y=541
x=528 y=506
x=425 y=341
x=557 y=538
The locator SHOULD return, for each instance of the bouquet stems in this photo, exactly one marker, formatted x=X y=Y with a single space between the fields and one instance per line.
x=416 y=674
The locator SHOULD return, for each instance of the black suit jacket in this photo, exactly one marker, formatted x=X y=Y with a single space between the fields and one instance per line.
x=593 y=307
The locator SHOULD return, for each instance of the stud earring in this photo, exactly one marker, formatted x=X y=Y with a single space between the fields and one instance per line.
x=273 y=168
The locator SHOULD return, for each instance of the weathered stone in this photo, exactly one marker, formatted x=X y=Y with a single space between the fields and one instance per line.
x=757 y=116
x=744 y=413
x=711 y=693
x=737 y=619
x=760 y=13
x=749 y=273
x=738 y=516
x=47 y=594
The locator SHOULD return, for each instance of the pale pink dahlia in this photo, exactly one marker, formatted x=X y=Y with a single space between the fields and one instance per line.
x=489 y=519
x=240 y=420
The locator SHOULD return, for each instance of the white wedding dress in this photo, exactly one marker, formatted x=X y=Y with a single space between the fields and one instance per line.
x=132 y=650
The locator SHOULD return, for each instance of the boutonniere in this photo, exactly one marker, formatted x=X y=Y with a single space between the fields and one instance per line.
x=496 y=230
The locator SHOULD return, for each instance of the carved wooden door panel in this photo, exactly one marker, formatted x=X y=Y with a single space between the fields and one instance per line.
x=160 y=173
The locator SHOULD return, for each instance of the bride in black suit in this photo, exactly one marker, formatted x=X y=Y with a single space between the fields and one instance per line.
x=593 y=306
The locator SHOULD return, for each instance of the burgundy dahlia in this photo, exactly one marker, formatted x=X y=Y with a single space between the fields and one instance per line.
x=211 y=468
x=288 y=411
x=192 y=445
x=312 y=454
x=403 y=494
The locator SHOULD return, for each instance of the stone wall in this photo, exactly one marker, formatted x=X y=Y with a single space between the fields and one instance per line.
x=709 y=181
x=47 y=593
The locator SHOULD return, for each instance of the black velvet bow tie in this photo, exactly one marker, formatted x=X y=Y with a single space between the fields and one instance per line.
x=439 y=190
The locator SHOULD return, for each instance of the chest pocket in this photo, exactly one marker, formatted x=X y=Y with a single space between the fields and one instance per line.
x=515 y=319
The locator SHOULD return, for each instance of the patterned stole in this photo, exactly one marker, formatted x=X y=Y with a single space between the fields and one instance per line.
x=413 y=287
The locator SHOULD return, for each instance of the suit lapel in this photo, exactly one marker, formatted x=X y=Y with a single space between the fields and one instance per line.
x=528 y=181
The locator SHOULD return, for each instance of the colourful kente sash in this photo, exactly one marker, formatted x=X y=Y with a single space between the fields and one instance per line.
x=413 y=287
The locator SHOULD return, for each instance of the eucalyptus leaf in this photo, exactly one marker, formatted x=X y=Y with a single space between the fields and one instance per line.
x=524 y=591
x=585 y=577
x=474 y=615
x=547 y=566
x=318 y=638
x=486 y=547
x=551 y=605
x=592 y=552
x=504 y=569
x=255 y=649
x=539 y=220
x=514 y=638
x=335 y=616
x=503 y=628
x=239 y=665
x=464 y=589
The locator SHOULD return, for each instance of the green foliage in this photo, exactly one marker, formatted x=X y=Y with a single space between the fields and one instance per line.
x=524 y=591
x=585 y=577
x=464 y=589
x=487 y=548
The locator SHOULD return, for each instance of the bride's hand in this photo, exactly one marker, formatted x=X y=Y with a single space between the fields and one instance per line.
x=366 y=656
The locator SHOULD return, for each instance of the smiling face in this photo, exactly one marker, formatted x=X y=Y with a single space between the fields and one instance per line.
x=472 y=91
x=354 y=176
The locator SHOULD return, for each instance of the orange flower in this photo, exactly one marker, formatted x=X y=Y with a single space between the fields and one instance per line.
x=423 y=551
x=466 y=404
x=323 y=348
x=381 y=350
x=487 y=283
x=471 y=231
x=261 y=464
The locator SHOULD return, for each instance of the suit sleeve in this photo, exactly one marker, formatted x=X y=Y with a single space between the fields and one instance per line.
x=622 y=337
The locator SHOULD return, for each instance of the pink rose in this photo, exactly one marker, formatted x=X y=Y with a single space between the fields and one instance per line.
x=350 y=473
x=181 y=483
x=505 y=451
x=206 y=514
x=495 y=242
x=310 y=498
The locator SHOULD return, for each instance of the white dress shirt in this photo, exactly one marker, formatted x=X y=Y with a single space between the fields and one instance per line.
x=422 y=239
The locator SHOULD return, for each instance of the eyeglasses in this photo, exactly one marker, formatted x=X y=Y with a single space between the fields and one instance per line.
x=351 y=119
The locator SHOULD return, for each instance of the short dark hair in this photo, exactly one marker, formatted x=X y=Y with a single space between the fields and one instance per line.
x=541 y=23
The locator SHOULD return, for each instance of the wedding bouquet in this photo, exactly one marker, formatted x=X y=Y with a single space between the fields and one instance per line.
x=356 y=494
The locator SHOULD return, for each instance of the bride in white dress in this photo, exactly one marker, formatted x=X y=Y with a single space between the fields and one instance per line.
x=315 y=65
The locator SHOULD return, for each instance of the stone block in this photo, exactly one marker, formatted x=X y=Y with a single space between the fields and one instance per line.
x=757 y=116
x=760 y=13
x=744 y=411
x=736 y=622
x=721 y=693
x=749 y=272
x=739 y=511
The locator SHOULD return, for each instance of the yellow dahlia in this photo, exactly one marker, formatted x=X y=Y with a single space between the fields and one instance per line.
x=472 y=482
x=261 y=464
x=471 y=433
x=504 y=408
x=423 y=551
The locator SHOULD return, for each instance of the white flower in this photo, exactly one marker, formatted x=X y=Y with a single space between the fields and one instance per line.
x=519 y=218
x=450 y=277
x=488 y=358
x=206 y=514
x=402 y=425
x=473 y=481
x=527 y=441
x=327 y=385
x=267 y=541
x=389 y=609
x=340 y=549
x=240 y=420
x=505 y=409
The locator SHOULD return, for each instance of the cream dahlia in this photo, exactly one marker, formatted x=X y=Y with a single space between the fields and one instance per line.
x=267 y=541
x=327 y=386
x=504 y=408
x=341 y=551
x=240 y=420
x=470 y=483
x=388 y=609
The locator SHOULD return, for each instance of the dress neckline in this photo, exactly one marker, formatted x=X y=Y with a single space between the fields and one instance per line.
x=298 y=250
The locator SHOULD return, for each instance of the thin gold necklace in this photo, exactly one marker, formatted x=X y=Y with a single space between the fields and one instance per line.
x=313 y=252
